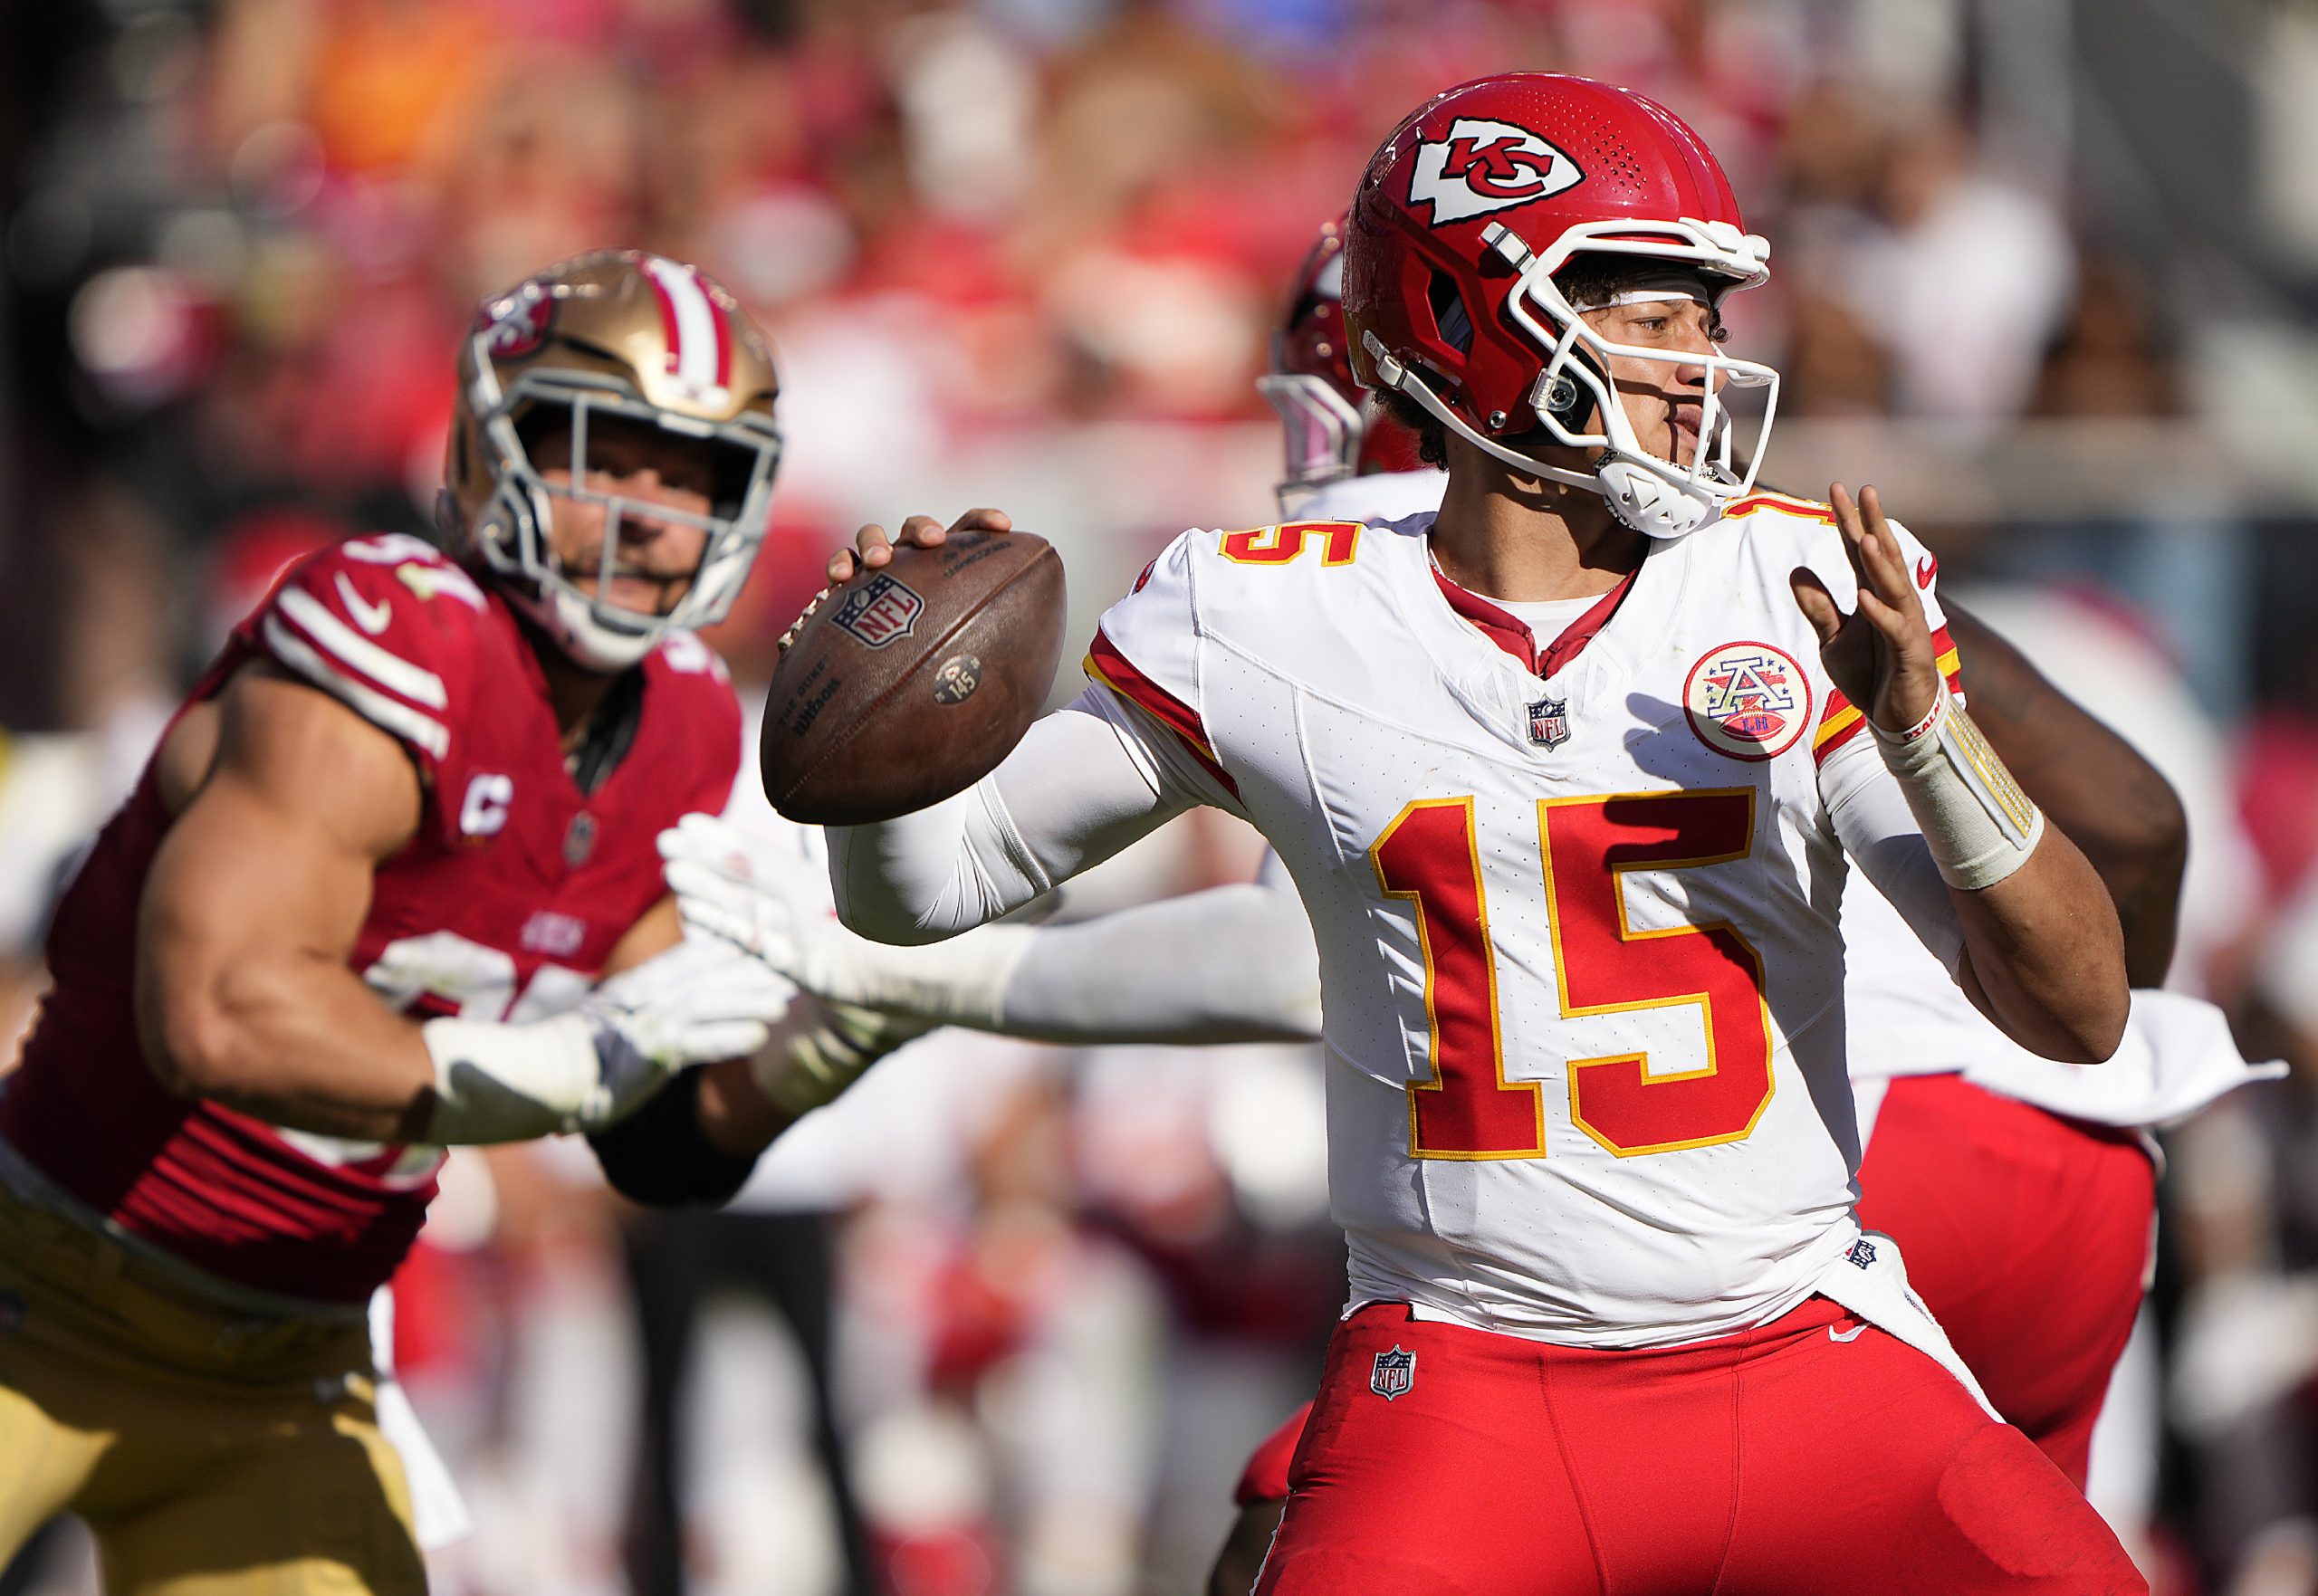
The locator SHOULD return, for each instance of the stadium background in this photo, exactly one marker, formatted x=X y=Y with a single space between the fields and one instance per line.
x=2045 y=271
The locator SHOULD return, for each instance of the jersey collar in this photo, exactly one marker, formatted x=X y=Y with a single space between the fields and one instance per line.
x=1512 y=635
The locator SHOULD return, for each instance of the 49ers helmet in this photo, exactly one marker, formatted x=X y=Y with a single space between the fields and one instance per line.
x=1462 y=220
x=1332 y=429
x=610 y=333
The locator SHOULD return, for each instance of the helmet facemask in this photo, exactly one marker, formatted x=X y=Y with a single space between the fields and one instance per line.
x=512 y=534
x=1574 y=403
x=1322 y=431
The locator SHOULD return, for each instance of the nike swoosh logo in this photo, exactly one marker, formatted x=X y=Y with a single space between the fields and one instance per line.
x=1850 y=1335
x=371 y=618
x=1926 y=568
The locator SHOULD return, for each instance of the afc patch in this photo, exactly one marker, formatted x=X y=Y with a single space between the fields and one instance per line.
x=1394 y=1372
x=1549 y=722
x=1748 y=700
x=881 y=610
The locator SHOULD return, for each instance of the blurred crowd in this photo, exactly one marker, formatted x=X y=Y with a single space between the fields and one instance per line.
x=1009 y=1319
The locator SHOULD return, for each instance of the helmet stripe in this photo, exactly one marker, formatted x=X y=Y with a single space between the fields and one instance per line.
x=699 y=345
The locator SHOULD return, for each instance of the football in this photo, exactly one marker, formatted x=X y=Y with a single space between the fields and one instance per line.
x=905 y=685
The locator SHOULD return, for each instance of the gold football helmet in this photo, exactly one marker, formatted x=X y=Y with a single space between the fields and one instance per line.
x=613 y=333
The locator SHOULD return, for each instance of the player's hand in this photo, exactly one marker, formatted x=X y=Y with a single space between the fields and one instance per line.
x=771 y=903
x=1881 y=654
x=701 y=1002
x=872 y=548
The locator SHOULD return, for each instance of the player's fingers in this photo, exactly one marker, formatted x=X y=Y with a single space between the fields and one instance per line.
x=983 y=520
x=1818 y=604
x=872 y=546
x=922 y=531
x=1848 y=527
x=1885 y=566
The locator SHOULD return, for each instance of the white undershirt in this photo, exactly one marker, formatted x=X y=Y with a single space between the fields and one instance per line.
x=1546 y=618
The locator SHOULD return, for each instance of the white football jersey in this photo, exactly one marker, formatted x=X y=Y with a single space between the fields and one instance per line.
x=1576 y=906
x=1905 y=1016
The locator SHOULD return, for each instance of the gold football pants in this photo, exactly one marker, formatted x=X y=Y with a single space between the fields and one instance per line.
x=213 y=1454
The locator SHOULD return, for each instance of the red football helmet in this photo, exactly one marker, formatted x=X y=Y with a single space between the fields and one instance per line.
x=1333 y=429
x=1462 y=220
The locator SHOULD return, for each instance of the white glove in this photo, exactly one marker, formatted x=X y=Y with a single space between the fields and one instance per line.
x=701 y=1002
x=824 y=1050
x=778 y=905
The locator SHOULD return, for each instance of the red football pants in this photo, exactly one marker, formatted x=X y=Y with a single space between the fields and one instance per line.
x=1780 y=1461
x=2026 y=1236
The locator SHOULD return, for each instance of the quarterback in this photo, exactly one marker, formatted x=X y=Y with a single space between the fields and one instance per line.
x=388 y=883
x=1612 y=1324
x=2018 y=1186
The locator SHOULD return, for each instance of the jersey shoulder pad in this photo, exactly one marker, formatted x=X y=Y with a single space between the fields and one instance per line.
x=689 y=692
x=1378 y=497
x=387 y=626
x=1147 y=646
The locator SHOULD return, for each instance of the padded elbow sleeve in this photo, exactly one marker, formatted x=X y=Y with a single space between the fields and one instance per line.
x=659 y=1157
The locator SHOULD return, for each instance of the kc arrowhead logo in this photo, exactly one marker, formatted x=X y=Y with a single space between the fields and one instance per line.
x=1485 y=166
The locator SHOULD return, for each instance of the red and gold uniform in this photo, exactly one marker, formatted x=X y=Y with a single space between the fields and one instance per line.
x=181 y=1285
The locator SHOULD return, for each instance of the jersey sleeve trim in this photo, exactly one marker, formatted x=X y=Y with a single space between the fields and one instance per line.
x=1842 y=719
x=352 y=650
x=1110 y=668
x=420 y=731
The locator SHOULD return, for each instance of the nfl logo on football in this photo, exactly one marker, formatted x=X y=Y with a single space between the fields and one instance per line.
x=881 y=610
x=1394 y=1372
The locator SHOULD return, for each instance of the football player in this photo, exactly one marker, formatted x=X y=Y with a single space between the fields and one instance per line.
x=1576 y=902
x=2018 y=1187
x=386 y=884
x=2011 y=1181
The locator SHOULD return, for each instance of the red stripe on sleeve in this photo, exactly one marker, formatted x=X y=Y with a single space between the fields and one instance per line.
x=1114 y=671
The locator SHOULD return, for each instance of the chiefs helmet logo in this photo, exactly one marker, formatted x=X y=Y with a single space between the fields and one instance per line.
x=514 y=327
x=1483 y=166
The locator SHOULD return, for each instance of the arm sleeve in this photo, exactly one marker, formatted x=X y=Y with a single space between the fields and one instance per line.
x=1080 y=786
x=658 y=1157
x=1231 y=964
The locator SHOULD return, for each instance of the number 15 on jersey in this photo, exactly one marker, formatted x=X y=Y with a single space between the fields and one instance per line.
x=1428 y=856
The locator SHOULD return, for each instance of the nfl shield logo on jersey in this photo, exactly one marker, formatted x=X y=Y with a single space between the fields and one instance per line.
x=1549 y=722
x=880 y=610
x=1395 y=1371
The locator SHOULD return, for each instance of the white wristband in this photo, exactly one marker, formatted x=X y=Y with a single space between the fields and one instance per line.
x=510 y=1083
x=1978 y=824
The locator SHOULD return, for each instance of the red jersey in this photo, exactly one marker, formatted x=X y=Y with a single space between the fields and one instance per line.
x=505 y=906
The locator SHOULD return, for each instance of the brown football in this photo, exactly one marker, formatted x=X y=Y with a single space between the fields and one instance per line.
x=908 y=683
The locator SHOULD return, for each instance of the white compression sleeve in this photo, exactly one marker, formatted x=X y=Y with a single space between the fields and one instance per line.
x=1070 y=795
x=1231 y=964
x=1879 y=831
